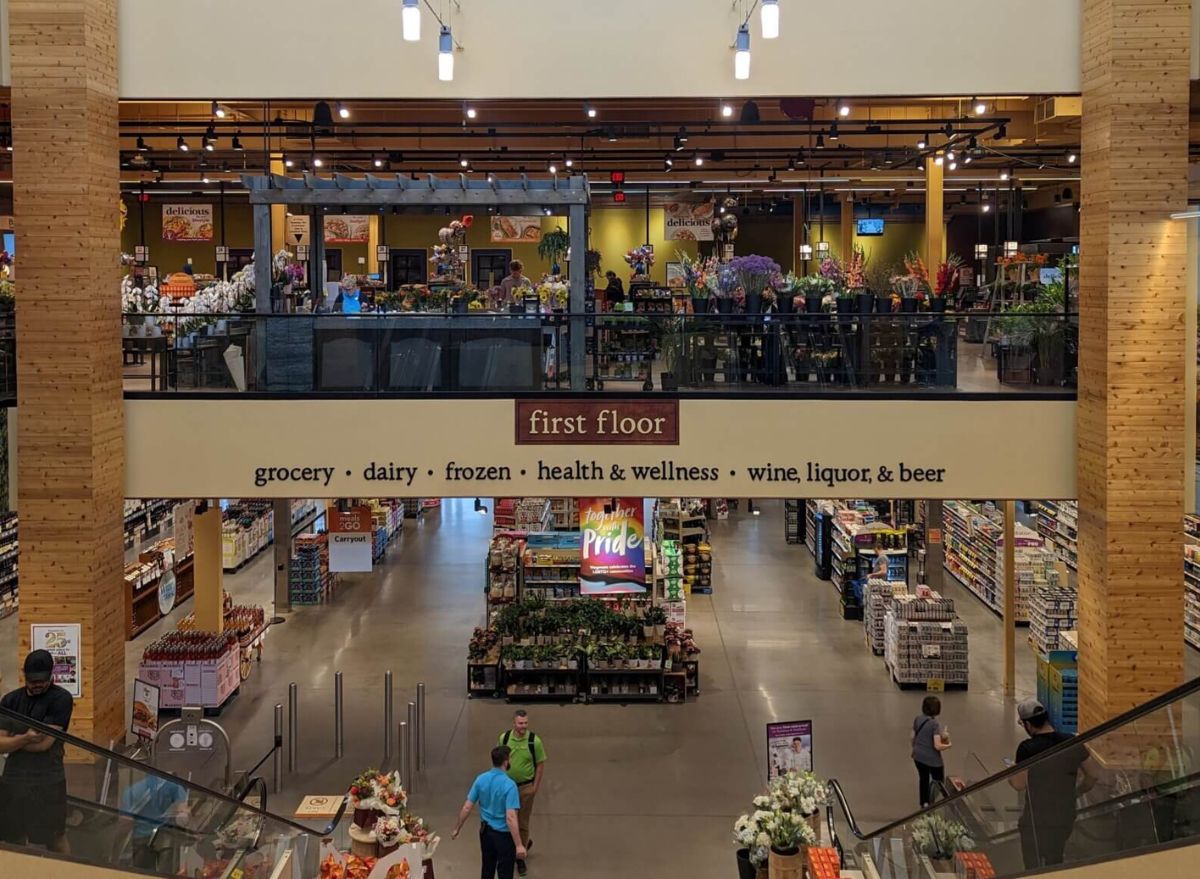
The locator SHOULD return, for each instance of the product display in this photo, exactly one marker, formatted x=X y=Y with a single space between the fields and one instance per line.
x=550 y=566
x=309 y=579
x=248 y=527
x=879 y=595
x=192 y=668
x=682 y=520
x=147 y=598
x=1191 y=580
x=1058 y=522
x=414 y=507
x=794 y=521
x=522 y=514
x=924 y=641
x=564 y=512
x=9 y=556
x=1051 y=612
x=1058 y=688
x=504 y=560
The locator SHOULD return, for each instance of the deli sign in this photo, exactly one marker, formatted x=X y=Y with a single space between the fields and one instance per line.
x=597 y=422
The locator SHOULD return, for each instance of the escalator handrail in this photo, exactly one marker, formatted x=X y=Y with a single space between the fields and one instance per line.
x=1081 y=740
x=838 y=794
x=104 y=753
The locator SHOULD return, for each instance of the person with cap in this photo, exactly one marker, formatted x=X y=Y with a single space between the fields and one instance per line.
x=1051 y=786
x=33 y=788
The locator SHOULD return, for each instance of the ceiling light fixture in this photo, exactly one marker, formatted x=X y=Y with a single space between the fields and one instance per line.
x=741 y=54
x=410 y=20
x=318 y=162
x=237 y=142
x=342 y=110
x=569 y=162
x=950 y=155
x=287 y=161
x=589 y=111
x=480 y=508
x=181 y=144
x=699 y=160
x=204 y=178
x=923 y=142
x=553 y=169
x=954 y=166
x=471 y=113
x=979 y=106
x=791 y=165
x=445 y=55
x=378 y=162
x=820 y=144
x=938 y=160
x=769 y=17
x=987 y=208
x=967 y=159
x=464 y=162
x=1004 y=175
x=1001 y=132
x=218 y=110
x=948 y=129
x=843 y=109
x=668 y=164
x=1072 y=158
x=833 y=132
x=727 y=110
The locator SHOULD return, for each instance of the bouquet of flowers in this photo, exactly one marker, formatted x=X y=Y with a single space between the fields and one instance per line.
x=788 y=830
x=906 y=286
x=378 y=791
x=640 y=259
x=799 y=792
x=139 y=300
x=677 y=636
x=947 y=276
x=915 y=267
x=938 y=837
x=418 y=832
x=696 y=274
x=390 y=832
x=856 y=269
x=832 y=271
x=754 y=273
x=553 y=293
x=752 y=832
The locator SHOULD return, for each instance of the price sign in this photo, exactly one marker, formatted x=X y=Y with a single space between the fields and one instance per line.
x=302 y=252
x=934 y=536
x=222 y=254
x=381 y=253
x=141 y=253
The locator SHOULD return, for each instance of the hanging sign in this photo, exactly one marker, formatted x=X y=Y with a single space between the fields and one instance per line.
x=141 y=253
x=145 y=710
x=350 y=536
x=187 y=222
x=297 y=229
x=222 y=253
x=612 y=553
x=514 y=230
x=167 y=591
x=302 y=252
x=347 y=229
x=687 y=221
x=183 y=529
x=63 y=642
x=789 y=748
x=381 y=253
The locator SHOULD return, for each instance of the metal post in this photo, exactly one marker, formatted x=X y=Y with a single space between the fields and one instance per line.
x=420 y=743
x=339 y=741
x=277 y=758
x=389 y=716
x=403 y=745
x=293 y=725
x=409 y=760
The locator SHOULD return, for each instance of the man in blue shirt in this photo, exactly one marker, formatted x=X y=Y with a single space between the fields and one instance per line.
x=155 y=801
x=499 y=835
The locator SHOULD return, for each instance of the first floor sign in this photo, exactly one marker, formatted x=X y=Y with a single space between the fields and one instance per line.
x=789 y=748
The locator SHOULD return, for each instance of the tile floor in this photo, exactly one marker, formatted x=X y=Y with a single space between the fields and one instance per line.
x=629 y=790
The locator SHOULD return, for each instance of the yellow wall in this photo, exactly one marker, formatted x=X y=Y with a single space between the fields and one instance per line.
x=170 y=256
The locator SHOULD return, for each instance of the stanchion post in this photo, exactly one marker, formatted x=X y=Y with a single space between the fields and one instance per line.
x=389 y=716
x=277 y=756
x=410 y=758
x=293 y=726
x=338 y=730
x=419 y=747
x=403 y=745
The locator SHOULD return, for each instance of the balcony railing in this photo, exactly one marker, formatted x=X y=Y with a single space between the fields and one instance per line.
x=474 y=353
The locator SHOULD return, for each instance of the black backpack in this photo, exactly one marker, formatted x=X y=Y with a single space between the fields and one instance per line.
x=532 y=750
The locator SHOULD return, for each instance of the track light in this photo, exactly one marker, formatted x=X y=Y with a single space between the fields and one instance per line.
x=1004 y=175
x=181 y=144
x=445 y=55
x=682 y=137
x=967 y=159
x=668 y=164
x=769 y=16
x=833 y=132
x=569 y=162
x=141 y=144
x=954 y=166
x=791 y=165
x=318 y=162
x=950 y=155
x=1001 y=132
x=727 y=110
x=471 y=113
x=987 y=208
x=699 y=160
x=287 y=161
x=208 y=141
x=741 y=54
x=923 y=142
x=979 y=106
x=938 y=160
x=378 y=162
x=464 y=162
x=553 y=169
x=820 y=144
x=410 y=20
x=948 y=129
x=218 y=110
x=843 y=109
x=237 y=142
x=207 y=144
x=1072 y=159
x=589 y=111
x=480 y=508
x=342 y=110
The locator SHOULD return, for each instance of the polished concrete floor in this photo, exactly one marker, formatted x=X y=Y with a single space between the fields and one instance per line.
x=629 y=790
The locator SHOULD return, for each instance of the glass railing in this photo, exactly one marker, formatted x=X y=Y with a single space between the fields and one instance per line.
x=477 y=352
x=1123 y=787
x=93 y=805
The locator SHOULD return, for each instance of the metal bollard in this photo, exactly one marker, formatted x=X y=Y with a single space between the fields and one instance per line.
x=403 y=744
x=339 y=743
x=419 y=746
x=293 y=726
x=412 y=741
x=389 y=716
x=277 y=758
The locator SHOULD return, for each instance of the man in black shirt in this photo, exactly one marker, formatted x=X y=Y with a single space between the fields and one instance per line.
x=1051 y=786
x=33 y=788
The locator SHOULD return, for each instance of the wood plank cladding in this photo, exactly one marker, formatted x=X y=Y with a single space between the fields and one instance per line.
x=71 y=463
x=1132 y=394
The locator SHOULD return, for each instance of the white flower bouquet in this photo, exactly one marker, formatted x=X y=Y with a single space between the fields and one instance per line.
x=940 y=838
x=800 y=792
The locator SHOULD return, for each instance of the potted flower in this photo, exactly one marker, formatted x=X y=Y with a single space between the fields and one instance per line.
x=879 y=283
x=754 y=275
x=856 y=279
x=751 y=836
x=939 y=839
x=919 y=283
x=724 y=285
x=553 y=247
x=655 y=622
x=695 y=279
x=389 y=834
x=789 y=834
x=813 y=288
x=785 y=292
x=800 y=792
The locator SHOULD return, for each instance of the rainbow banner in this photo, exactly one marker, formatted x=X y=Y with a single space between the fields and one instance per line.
x=613 y=551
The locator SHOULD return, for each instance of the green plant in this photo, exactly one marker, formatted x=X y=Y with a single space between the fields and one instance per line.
x=553 y=246
x=655 y=616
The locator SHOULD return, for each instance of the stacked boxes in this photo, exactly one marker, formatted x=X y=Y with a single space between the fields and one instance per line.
x=924 y=641
x=205 y=683
x=309 y=579
x=973 y=865
x=1034 y=570
x=1051 y=612
x=822 y=863
x=413 y=507
x=387 y=517
x=879 y=597
x=1058 y=688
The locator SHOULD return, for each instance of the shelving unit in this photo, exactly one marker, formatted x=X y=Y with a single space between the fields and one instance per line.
x=521 y=514
x=550 y=566
x=564 y=513
x=810 y=526
x=675 y=521
x=9 y=553
x=414 y=507
x=1191 y=580
x=1058 y=522
x=974 y=554
x=794 y=521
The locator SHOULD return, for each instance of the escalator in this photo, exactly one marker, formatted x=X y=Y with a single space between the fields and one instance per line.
x=1135 y=781
x=122 y=814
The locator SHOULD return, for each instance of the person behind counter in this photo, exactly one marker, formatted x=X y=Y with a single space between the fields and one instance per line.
x=515 y=279
x=615 y=291
x=349 y=300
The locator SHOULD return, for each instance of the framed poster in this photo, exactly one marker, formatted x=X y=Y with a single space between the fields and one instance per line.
x=62 y=640
x=144 y=723
x=514 y=230
x=612 y=554
x=347 y=229
x=789 y=748
x=187 y=222
x=675 y=275
x=688 y=221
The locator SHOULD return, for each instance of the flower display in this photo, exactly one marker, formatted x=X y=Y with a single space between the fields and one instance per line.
x=832 y=271
x=697 y=273
x=640 y=259
x=553 y=292
x=788 y=830
x=947 y=276
x=754 y=273
x=751 y=832
x=389 y=832
x=856 y=269
x=938 y=837
x=378 y=791
x=800 y=792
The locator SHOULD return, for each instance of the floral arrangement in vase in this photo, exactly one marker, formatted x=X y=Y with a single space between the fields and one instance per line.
x=751 y=831
x=641 y=260
x=696 y=274
x=553 y=293
x=831 y=270
x=856 y=270
x=799 y=792
x=377 y=792
x=788 y=831
x=914 y=266
x=940 y=838
x=418 y=833
x=815 y=285
x=389 y=833
x=947 y=277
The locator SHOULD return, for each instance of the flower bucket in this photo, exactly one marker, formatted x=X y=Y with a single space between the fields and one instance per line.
x=754 y=303
x=942 y=865
x=385 y=850
x=746 y=870
x=938 y=305
x=699 y=306
x=786 y=865
x=812 y=304
x=883 y=304
x=814 y=821
x=724 y=306
x=865 y=301
x=845 y=309
x=908 y=305
x=785 y=303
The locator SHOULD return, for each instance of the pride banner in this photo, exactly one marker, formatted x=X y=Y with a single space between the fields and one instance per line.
x=613 y=551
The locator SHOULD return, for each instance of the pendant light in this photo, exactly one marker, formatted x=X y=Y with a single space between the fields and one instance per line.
x=770 y=19
x=410 y=20
x=741 y=55
x=445 y=55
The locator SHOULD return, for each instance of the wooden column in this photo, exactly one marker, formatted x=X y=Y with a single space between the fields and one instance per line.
x=935 y=215
x=209 y=570
x=847 y=227
x=71 y=466
x=279 y=213
x=799 y=219
x=1130 y=414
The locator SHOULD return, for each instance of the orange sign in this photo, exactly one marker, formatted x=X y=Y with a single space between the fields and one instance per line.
x=355 y=519
x=934 y=536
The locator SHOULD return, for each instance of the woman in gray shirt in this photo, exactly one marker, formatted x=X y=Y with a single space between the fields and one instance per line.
x=930 y=738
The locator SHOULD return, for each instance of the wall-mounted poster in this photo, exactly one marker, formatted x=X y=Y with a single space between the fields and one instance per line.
x=187 y=222
x=789 y=748
x=62 y=640
x=347 y=229
x=515 y=230
x=687 y=221
x=612 y=554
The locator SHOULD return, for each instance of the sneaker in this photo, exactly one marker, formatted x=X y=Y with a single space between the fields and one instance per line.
x=521 y=868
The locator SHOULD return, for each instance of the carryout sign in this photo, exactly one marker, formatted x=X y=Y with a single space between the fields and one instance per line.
x=350 y=540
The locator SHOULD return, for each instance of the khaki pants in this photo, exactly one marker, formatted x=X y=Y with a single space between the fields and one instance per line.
x=523 y=816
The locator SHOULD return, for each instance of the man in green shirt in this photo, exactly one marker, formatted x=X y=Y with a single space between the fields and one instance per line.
x=527 y=761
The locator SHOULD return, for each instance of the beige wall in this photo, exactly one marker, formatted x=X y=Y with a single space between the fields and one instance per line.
x=617 y=48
